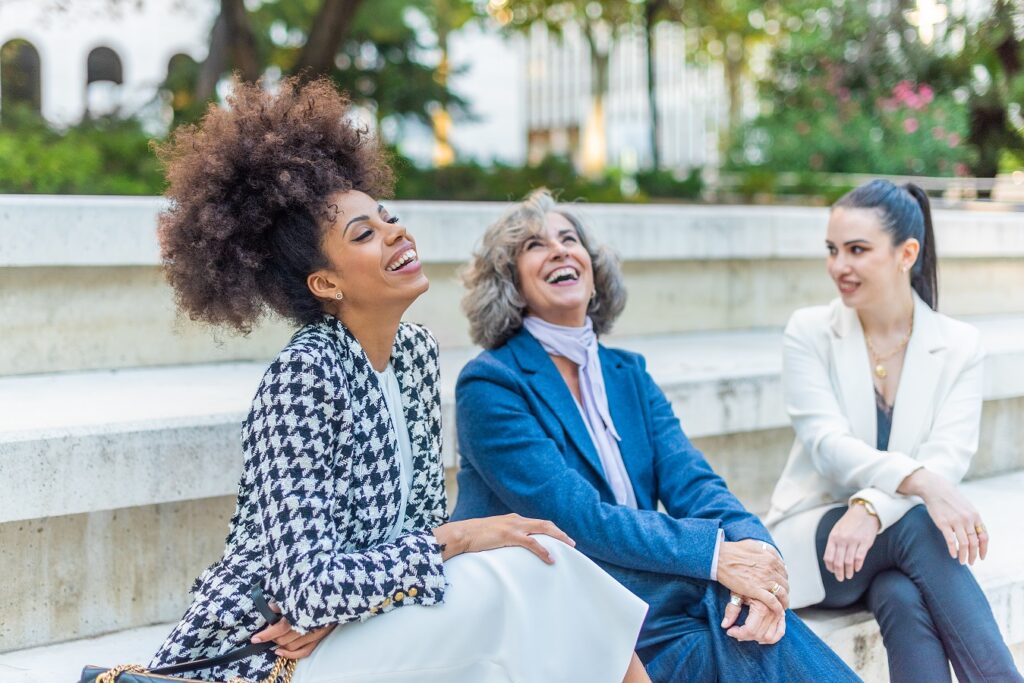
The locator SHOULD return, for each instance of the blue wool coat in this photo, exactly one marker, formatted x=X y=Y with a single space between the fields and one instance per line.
x=525 y=449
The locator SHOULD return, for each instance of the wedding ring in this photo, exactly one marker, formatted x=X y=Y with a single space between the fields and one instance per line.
x=776 y=587
x=735 y=600
x=980 y=528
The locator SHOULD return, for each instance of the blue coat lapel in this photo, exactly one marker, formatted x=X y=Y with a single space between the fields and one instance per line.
x=544 y=379
x=623 y=400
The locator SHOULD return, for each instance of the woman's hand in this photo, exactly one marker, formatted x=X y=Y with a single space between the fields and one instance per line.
x=849 y=542
x=290 y=644
x=954 y=515
x=762 y=625
x=752 y=569
x=487 y=533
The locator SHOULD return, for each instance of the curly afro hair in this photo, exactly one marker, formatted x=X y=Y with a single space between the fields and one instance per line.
x=248 y=187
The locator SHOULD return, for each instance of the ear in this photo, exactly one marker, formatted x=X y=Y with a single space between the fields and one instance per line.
x=324 y=284
x=909 y=252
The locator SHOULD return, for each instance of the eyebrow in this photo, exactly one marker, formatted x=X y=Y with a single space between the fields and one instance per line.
x=859 y=240
x=567 y=231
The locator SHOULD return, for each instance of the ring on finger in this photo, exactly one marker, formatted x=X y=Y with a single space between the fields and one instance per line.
x=735 y=600
x=980 y=528
x=776 y=587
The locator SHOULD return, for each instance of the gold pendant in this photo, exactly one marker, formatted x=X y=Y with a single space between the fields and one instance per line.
x=880 y=371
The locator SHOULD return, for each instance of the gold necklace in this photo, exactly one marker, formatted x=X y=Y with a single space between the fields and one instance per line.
x=880 y=370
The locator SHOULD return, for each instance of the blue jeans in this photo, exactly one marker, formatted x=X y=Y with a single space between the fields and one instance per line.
x=930 y=608
x=705 y=654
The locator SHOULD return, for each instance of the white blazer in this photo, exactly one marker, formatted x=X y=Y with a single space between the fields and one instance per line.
x=830 y=399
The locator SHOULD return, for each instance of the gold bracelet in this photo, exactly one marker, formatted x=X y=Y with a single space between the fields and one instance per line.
x=867 y=506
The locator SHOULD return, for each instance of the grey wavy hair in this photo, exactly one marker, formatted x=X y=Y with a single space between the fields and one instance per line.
x=493 y=303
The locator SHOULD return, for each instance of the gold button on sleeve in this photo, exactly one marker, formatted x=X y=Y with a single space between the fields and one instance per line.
x=413 y=592
x=399 y=596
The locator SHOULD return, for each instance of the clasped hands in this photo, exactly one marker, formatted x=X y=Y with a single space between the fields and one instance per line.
x=754 y=571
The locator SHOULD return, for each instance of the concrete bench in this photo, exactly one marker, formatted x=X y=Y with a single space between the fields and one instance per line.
x=161 y=435
x=851 y=633
x=143 y=464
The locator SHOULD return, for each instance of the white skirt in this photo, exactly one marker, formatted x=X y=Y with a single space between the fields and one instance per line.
x=507 y=617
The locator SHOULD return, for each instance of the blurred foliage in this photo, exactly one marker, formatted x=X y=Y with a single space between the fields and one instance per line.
x=98 y=156
x=471 y=181
x=852 y=88
x=380 y=62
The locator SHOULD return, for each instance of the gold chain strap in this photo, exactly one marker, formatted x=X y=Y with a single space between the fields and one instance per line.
x=111 y=675
x=283 y=668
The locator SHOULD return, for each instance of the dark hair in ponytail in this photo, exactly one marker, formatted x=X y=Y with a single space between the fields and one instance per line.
x=905 y=213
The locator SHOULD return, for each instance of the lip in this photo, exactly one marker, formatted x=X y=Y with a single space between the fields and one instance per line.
x=412 y=266
x=564 y=283
x=847 y=287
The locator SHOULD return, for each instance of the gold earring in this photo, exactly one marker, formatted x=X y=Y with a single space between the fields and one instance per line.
x=339 y=296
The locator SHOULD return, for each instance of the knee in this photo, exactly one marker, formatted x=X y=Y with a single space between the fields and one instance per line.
x=917 y=532
x=917 y=520
x=893 y=593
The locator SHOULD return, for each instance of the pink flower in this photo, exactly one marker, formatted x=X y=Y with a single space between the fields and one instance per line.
x=910 y=124
x=938 y=132
x=961 y=169
x=926 y=93
x=953 y=139
x=844 y=94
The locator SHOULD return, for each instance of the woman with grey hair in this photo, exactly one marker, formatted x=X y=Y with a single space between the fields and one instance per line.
x=553 y=424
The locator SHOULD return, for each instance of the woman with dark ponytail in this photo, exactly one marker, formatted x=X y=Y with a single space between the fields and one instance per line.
x=885 y=396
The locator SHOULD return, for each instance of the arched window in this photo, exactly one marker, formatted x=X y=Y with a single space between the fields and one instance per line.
x=104 y=65
x=104 y=76
x=20 y=80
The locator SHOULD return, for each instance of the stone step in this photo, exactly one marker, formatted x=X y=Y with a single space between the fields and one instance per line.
x=851 y=633
x=134 y=426
x=132 y=473
x=80 y=286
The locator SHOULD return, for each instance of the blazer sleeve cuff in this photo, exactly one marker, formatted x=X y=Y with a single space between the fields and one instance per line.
x=896 y=468
x=890 y=509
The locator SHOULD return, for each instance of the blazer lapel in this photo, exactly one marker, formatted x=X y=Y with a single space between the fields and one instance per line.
x=544 y=378
x=418 y=378
x=622 y=397
x=853 y=371
x=922 y=365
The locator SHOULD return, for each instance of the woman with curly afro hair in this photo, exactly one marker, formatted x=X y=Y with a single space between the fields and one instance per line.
x=341 y=513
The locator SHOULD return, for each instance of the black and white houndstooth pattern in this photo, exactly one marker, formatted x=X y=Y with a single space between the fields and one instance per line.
x=319 y=493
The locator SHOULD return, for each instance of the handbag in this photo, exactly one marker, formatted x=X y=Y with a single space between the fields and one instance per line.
x=133 y=673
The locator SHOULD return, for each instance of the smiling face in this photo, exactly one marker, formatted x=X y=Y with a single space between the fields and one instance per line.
x=555 y=274
x=862 y=260
x=374 y=263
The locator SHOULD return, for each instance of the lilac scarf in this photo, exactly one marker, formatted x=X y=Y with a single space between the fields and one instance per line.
x=579 y=344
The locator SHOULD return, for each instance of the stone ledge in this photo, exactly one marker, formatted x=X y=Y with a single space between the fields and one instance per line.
x=852 y=633
x=123 y=430
x=43 y=230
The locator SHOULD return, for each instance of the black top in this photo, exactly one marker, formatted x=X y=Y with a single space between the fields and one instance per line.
x=884 y=413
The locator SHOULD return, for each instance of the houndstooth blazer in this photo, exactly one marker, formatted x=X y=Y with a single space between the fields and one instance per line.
x=318 y=494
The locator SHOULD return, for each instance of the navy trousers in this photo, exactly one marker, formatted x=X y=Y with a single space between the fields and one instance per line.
x=705 y=654
x=929 y=607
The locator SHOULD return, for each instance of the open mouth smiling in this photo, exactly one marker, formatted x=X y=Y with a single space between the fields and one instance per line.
x=406 y=257
x=560 y=275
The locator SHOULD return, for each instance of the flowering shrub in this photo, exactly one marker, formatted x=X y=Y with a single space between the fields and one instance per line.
x=907 y=130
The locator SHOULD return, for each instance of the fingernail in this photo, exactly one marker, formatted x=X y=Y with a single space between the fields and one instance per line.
x=254 y=639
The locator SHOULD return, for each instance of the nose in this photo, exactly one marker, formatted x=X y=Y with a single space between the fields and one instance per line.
x=396 y=233
x=558 y=250
x=838 y=265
